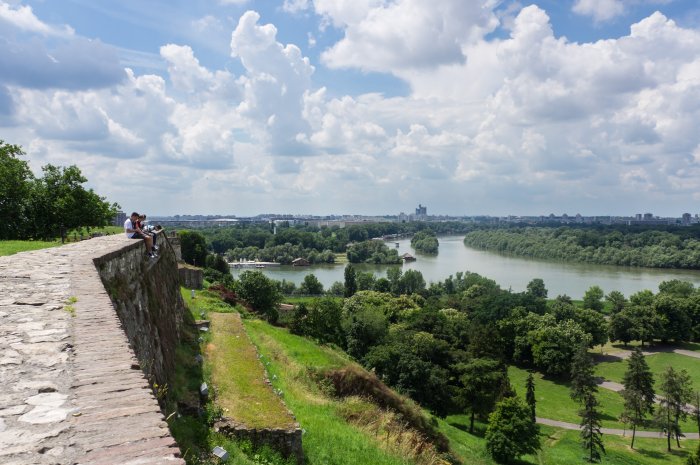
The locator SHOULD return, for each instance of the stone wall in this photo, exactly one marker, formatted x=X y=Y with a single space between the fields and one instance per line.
x=147 y=299
x=287 y=441
x=190 y=277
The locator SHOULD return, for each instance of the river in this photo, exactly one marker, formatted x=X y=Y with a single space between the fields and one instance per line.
x=511 y=272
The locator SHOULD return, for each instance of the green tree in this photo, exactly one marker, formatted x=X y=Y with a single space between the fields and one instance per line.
x=60 y=202
x=530 y=397
x=482 y=380
x=260 y=292
x=511 y=432
x=593 y=298
x=583 y=381
x=15 y=190
x=639 y=391
x=677 y=390
x=617 y=300
x=537 y=289
x=591 y=435
x=350 y=280
x=218 y=263
x=425 y=242
x=194 y=247
x=311 y=285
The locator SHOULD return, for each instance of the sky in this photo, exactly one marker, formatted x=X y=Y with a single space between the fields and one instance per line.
x=361 y=106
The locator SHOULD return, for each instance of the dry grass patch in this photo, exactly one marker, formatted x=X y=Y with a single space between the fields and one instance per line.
x=239 y=377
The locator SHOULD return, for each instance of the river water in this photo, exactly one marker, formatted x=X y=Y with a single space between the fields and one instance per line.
x=511 y=272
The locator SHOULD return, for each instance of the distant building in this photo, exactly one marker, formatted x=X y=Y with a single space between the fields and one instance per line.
x=648 y=216
x=119 y=219
x=300 y=262
x=686 y=218
x=421 y=211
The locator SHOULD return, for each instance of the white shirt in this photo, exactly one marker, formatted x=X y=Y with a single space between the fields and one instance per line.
x=128 y=225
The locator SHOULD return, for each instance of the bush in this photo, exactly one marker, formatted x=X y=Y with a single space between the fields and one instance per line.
x=511 y=431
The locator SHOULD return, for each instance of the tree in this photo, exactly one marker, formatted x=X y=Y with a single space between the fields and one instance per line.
x=15 y=189
x=677 y=390
x=260 y=292
x=537 y=289
x=311 y=285
x=482 y=379
x=194 y=248
x=593 y=298
x=639 y=391
x=511 y=432
x=60 y=202
x=617 y=300
x=553 y=345
x=583 y=380
x=218 y=263
x=530 y=396
x=591 y=436
x=350 y=283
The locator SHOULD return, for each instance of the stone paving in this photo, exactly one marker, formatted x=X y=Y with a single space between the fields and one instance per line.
x=71 y=390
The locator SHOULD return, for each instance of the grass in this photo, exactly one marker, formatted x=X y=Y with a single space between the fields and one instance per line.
x=239 y=377
x=13 y=247
x=553 y=399
x=615 y=371
x=563 y=447
x=341 y=259
x=328 y=438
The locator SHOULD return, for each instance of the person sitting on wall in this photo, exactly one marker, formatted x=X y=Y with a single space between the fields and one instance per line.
x=134 y=232
x=148 y=230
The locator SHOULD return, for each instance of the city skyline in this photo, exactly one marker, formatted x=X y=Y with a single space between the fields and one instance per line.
x=470 y=107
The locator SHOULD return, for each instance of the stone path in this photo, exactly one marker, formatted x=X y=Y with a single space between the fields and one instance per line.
x=611 y=431
x=72 y=391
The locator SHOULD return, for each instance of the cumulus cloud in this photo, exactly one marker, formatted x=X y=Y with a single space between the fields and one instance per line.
x=529 y=116
x=383 y=36
x=277 y=77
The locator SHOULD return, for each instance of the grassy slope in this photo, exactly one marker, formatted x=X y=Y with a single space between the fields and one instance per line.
x=328 y=438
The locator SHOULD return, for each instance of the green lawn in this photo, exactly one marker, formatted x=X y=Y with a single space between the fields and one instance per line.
x=553 y=399
x=13 y=247
x=615 y=371
x=561 y=447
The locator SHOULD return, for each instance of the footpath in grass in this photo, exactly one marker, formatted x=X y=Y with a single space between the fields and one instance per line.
x=239 y=377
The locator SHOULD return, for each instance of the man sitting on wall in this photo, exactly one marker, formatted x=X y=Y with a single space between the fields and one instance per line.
x=134 y=232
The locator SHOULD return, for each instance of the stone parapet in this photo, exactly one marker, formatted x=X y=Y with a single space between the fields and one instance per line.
x=73 y=388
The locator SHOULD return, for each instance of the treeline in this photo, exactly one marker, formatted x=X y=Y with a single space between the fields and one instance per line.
x=319 y=245
x=671 y=247
x=48 y=206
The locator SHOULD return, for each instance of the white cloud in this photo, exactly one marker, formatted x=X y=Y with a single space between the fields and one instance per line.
x=599 y=10
x=528 y=123
x=23 y=18
x=384 y=36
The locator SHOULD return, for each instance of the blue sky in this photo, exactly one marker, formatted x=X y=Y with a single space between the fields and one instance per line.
x=361 y=106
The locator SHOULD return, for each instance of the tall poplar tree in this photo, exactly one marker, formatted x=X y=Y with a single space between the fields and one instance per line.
x=639 y=391
x=530 y=396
